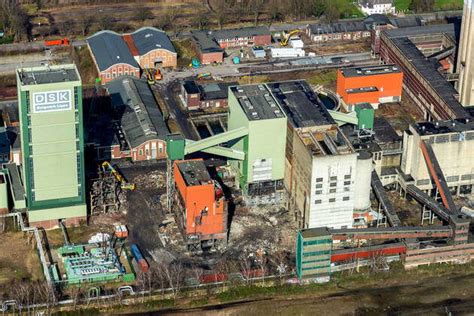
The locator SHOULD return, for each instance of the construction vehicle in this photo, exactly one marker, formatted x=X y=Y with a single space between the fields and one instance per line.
x=123 y=183
x=286 y=39
x=204 y=75
x=153 y=75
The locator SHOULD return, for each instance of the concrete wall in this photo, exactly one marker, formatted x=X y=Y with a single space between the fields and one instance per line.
x=329 y=208
x=454 y=157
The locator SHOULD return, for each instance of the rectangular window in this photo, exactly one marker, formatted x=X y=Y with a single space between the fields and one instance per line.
x=347 y=182
x=346 y=198
x=317 y=202
x=332 y=191
x=333 y=184
x=333 y=178
x=140 y=152
x=319 y=179
x=332 y=200
x=319 y=186
x=347 y=176
x=347 y=189
x=319 y=192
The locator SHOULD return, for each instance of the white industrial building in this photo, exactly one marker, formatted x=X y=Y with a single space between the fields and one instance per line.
x=340 y=178
x=453 y=145
x=287 y=52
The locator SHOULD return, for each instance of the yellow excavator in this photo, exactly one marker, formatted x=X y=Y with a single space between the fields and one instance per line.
x=285 y=40
x=123 y=183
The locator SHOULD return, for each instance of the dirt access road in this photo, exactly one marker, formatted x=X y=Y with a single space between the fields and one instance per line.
x=426 y=296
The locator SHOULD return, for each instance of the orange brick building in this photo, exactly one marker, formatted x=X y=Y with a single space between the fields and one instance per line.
x=372 y=84
x=200 y=201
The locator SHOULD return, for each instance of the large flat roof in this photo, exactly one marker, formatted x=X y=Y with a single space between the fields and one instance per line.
x=301 y=105
x=47 y=74
x=370 y=70
x=445 y=127
x=257 y=102
x=194 y=172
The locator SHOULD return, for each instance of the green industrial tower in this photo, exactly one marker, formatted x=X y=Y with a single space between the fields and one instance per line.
x=50 y=106
x=253 y=107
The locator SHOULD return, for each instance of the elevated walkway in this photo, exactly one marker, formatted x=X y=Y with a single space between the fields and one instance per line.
x=428 y=201
x=206 y=143
x=438 y=176
x=387 y=206
x=344 y=118
x=392 y=232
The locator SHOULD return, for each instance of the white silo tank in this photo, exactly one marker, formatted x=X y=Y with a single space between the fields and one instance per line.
x=362 y=181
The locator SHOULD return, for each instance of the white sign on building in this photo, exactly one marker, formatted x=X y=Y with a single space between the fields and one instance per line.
x=52 y=101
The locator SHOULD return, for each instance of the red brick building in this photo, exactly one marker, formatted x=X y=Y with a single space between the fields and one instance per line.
x=207 y=96
x=135 y=130
x=118 y=55
x=112 y=56
x=249 y=36
x=206 y=47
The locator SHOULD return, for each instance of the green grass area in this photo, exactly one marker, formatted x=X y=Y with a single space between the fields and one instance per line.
x=7 y=39
x=347 y=8
x=185 y=52
x=324 y=78
x=440 y=5
x=85 y=65
x=448 y=4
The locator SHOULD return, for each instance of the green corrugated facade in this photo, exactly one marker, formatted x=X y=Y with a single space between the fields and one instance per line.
x=365 y=115
x=313 y=253
x=52 y=142
x=266 y=139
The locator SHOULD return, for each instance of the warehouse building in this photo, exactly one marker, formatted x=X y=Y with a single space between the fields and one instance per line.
x=50 y=107
x=260 y=175
x=338 y=31
x=206 y=47
x=205 y=96
x=371 y=84
x=118 y=55
x=152 y=48
x=201 y=206
x=430 y=90
x=452 y=142
x=139 y=129
x=112 y=56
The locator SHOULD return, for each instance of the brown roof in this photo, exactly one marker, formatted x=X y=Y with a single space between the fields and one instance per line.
x=131 y=44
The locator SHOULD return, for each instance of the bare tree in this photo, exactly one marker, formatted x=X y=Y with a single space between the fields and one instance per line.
x=84 y=23
x=143 y=13
x=245 y=267
x=257 y=6
x=104 y=21
x=174 y=273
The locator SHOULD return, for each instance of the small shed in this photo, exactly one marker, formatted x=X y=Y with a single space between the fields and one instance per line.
x=258 y=52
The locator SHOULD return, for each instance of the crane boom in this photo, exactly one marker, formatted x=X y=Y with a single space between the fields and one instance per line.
x=285 y=40
x=123 y=183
